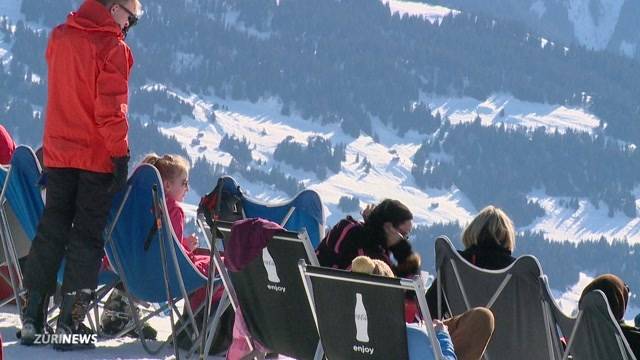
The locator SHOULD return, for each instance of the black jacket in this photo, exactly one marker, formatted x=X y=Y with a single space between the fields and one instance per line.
x=632 y=334
x=490 y=257
x=350 y=238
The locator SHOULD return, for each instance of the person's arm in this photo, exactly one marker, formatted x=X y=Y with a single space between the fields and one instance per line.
x=112 y=100
x=176 y=215
x=446 y=345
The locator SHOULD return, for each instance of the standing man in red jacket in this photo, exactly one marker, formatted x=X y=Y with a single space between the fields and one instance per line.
x=86 y=153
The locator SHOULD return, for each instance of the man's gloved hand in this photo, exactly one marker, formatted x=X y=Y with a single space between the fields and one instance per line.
x=120 y=173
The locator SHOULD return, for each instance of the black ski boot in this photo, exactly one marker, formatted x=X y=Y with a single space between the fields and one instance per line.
x=71 y=333
x=33 y=317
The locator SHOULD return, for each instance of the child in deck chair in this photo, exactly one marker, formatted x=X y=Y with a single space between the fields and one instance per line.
x=617 y=293
x=418 y=342
x=174 y=171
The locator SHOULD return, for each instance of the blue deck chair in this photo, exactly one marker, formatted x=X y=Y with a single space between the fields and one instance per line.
x=145 y=252
x=21 y=206
x=303 y=211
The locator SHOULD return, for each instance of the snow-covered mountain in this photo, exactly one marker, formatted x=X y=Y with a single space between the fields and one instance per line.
x=595 y=24
x=390 y=157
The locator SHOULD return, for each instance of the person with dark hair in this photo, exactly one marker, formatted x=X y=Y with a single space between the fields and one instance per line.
x=7 y=146
x=383 y=232
x=617 y=293
x=86 y=154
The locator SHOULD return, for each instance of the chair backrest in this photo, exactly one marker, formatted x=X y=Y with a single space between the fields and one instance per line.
x=272 y=296
x=24 y=205
x=133 y=246
x=594 y=333
x=513 y=294
x=303 y=211
x=361 y=316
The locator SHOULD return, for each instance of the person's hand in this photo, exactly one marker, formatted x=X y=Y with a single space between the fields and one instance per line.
x=440 y=326
x=392 y=234
x=367 y=211
x=192 y=242
x=120 y=174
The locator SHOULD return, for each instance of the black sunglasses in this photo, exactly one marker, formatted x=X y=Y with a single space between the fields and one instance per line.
x=132 y=19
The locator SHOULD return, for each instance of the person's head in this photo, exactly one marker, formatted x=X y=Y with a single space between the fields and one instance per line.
x=174 y=170
x=124 y=12
x=490 y=227
x=616 y=291
x=394 y=214
x=367 y=265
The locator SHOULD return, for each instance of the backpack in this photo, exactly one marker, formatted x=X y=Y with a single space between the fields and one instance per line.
x=328 y=249
x=221 y=204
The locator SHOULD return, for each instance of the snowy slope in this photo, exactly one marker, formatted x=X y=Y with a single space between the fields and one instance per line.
x=516 y=113
x=594 y=21
x=391 y=160
x=432 y=13
x=586 y=222
x=595 y=24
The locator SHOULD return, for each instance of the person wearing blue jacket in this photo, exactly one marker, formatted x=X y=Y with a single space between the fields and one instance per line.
x=418 y=342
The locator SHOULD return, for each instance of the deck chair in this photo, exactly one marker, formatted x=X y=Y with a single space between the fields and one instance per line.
x=513 y=294
x=21 y=206
x=272 y=296
x=303 y=211
x=146 y=254
x=361 y=316
x=593 y=334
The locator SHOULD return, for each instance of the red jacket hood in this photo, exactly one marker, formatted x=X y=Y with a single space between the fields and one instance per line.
x=93 y=16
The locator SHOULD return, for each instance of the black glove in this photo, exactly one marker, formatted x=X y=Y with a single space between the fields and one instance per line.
x=120 y=173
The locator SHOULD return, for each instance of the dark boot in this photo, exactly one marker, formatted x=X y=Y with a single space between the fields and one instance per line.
x=117 y=316
x=73 y=309
x=33 y=317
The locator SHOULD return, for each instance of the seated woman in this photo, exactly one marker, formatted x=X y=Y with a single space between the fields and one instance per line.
x=617 y=293
x=384 y=233
x=418 y=342
x=489 y=241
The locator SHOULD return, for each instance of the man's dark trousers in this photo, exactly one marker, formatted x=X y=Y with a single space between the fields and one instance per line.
x=72 y=224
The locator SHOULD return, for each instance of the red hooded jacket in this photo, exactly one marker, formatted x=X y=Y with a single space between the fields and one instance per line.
x=86 y=116
x=7 y=146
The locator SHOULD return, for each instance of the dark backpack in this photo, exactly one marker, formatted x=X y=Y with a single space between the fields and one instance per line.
x=326 y=251
x=221 y=204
